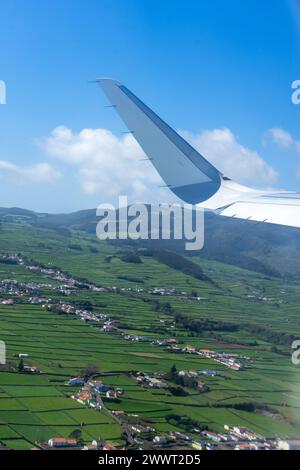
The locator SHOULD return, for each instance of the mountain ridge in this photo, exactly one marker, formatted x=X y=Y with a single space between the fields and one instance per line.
x=270 y=249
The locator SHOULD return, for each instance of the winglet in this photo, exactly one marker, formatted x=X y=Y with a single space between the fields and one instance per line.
x=187 y=173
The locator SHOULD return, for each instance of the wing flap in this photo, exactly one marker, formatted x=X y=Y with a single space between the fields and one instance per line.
x=263 y=213
x=284 y=209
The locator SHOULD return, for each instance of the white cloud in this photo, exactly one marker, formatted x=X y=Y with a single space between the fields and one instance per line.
x=41 y=173
x=109 y=165
x=284 y=140
x=38 y=173
x=279 y=137
x=106 y=164
x=222 y=149
x=5 y=165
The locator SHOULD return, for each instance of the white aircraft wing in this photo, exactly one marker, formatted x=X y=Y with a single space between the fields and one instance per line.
x=189 y=175
x=241 y=202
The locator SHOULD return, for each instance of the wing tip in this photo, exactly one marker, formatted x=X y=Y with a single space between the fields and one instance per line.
x=103 y=80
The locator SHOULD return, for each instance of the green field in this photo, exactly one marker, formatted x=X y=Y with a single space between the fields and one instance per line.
x=34 y=408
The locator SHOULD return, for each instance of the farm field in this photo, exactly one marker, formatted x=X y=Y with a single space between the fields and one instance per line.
x=250 y=312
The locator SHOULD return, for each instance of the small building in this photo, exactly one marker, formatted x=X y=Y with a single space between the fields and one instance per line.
x=76 y=381
x=61 y=442
x=161 y=440
x=188 y=373
x=202 y=387
x=197 y=445
x=214 y=436
x=207 y=352
x=2 y=447
x=111 y=394
x=179 y=436
x=210 y=373
x=31 y=369
x=156 y=383
x=108 y=328
x=95 y=404
x=244 y=433
x=118 y=412
x=139 y=428
x=246 y=446
x=108 y=446
x=97 y=443
x=189 y=349
x=288 y=444
x=7 y=302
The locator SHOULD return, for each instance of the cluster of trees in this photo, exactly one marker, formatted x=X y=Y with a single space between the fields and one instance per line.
x=89 y=371
x=271 y=336
x=247 y=406
x=162 y=307
x=244 y=406
x=181 y=381
x=21 y=365
x=44 y=224
x=75 y=246
x=198 y=325
x=195 y=326
x=8 y=261
x=77 y=435
x=131 y=279
x=84 y=304
x=131 y=257
x=184 y=422
x=56 y=308
x=93 y=249
x=178 y=391
x=176 y=261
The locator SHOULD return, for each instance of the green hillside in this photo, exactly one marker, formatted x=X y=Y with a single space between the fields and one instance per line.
x=261 y=247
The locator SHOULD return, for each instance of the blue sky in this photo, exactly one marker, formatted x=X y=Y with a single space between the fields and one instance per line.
x=220 y=71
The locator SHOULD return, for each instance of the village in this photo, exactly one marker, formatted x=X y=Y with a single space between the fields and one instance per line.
x=69 y=283
x=230 y=360
x=14 y=288
x=143 y=436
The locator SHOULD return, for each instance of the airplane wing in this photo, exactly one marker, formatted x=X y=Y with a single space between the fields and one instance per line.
x=241 y=202
x=189 y=175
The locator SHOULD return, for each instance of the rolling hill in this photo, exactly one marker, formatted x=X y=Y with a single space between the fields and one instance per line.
x=265 y=248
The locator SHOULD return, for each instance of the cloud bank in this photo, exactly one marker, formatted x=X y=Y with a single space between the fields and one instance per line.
x=110 y=165
x=282 y=139
x=37 y=173
x=106 y=164
x=222 y=149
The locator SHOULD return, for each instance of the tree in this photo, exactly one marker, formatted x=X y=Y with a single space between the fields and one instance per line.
x=131 y=257
x=76 y=434
x=21 y=365
x=90 y=369
x=172 y=374
x=86 y=304
x=178 y=391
